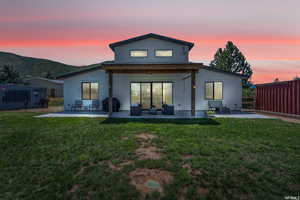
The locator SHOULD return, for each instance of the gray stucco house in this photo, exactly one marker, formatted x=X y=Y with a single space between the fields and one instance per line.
x=152 y=70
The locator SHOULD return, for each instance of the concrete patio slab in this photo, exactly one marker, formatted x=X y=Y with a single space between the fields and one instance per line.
x=243 y=116
x=74 y=114
x=178 y=115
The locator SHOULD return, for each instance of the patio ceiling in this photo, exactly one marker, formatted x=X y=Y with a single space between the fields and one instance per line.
x=152 y=68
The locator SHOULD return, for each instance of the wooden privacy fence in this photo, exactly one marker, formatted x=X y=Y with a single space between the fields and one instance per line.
x=280 y=97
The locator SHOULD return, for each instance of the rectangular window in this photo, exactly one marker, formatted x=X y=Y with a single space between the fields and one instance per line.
x=163 y=53
x=214 y=90
x=89 y=90
x=151 y=94
x=138 y=53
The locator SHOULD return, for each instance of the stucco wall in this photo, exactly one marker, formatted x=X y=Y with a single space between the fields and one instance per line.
x=232 y=88
x=180 y=54
x=72 y=87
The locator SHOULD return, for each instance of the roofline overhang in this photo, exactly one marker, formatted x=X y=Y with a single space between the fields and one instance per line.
x=151 y=35
x=152 y=68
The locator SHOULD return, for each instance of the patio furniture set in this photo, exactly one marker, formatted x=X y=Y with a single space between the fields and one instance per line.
x=218 y=107
x=137 y=110
x=79 y=106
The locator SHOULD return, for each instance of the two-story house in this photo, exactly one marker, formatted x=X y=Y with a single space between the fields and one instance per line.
x=152 y=70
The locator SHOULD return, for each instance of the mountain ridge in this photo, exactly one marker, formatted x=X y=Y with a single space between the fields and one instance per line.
x=35 y=67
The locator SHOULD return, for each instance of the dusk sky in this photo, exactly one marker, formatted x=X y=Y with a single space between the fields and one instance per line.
x=78 y=32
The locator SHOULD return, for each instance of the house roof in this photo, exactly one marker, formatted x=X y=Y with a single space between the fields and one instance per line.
x=108 y=65
x=49 y=80
x=151 y=35
x=81 y=70
x=224 y=72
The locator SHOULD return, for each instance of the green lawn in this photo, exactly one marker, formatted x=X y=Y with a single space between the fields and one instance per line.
x=83 y=158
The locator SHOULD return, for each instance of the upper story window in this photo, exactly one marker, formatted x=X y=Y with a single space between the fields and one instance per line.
x=163 y=53
x=138 y=53
x=214 y=90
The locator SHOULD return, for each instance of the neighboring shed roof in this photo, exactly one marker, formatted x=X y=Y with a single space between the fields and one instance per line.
x=49 y=80
x=151 y=35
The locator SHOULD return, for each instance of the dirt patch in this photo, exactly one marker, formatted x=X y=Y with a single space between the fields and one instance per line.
x=74 y=188
x=145 y=136
x=191 y=171
x=150 y=152
x=119 y=166
x=187 y=157
x=203 y=191
x=283 y=117
x=128 y=162
x=150 y=180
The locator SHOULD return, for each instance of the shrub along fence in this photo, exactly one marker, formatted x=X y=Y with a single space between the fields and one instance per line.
x=279 y=97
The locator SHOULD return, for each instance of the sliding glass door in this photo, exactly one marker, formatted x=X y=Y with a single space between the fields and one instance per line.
x=153 y=94
x=146 y=95
x=157 y=95
x=167 y=93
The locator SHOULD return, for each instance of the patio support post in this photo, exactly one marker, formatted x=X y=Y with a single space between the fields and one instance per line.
x=110 y=93
x=193 y=93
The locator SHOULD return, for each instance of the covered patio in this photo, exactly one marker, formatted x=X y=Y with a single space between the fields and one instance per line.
x=189 y=68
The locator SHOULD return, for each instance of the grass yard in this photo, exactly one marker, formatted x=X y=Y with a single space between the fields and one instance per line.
x=93 y=158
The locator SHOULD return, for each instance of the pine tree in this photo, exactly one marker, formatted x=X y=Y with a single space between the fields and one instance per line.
x=231 y=59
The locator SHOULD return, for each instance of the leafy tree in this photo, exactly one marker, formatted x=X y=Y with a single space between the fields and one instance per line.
x=231 y=59
x=9 y=75
x=276 y=80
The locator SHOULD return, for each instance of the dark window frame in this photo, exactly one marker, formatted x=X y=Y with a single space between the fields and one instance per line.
x=90 y=90
x=213 y=98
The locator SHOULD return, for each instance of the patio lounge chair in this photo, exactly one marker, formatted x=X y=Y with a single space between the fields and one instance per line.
x=215 y=105
x=218 y=107
x=77 y=106
x=94 y=105
x=136 y=110
x=167 y=109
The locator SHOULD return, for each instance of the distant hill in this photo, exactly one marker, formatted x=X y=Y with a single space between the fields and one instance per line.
x=32 y=67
